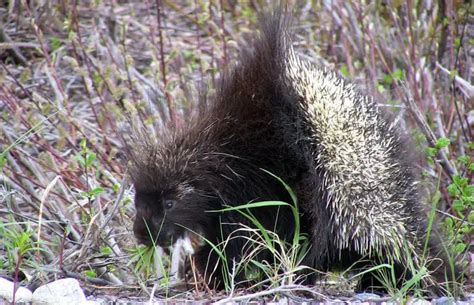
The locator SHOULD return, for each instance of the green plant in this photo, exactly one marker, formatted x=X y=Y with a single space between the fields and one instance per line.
x=17 y=239
x=458 y=224
x=386 y=275
x=86 y=159
x=147 y=261
x=287 y=256
x=151 y=260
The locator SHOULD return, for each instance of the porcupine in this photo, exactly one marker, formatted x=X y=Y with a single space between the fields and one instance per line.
x=347 y=161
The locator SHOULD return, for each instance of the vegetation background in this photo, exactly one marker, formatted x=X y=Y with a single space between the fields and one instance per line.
x=75 y=74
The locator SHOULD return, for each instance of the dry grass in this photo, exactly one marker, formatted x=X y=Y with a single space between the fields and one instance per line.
x=74 y=74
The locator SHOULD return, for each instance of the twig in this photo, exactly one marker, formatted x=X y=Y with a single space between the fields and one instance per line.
x=419 y=118
x=463 y=84
x=162 y=60
x=224 y=44
x=281 y=289
x=16 y=53
x=92 y=280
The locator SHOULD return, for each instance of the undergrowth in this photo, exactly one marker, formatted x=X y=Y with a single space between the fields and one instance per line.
x=75 y=74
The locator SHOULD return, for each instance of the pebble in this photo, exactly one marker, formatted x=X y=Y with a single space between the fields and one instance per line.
x=366 y=296
x=22 y=295
x=443 y=301
x=64 y=291
x=418 y=302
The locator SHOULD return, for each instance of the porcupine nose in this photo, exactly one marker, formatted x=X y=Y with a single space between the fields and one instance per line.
x=147 y=235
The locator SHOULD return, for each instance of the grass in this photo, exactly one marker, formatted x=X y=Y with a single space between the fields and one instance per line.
x=73 y=75
x=286 y=267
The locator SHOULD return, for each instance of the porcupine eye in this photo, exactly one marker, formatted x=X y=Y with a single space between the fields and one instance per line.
x=168 y=204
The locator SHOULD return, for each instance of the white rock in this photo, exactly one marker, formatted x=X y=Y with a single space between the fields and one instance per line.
x=366 y=296
x=90 y=302
x=419 y=302
x=22 y=295
x=64 y=291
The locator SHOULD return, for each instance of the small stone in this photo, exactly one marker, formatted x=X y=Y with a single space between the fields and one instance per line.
x=64 y=291
x=443 y=301
x=366 y=296
x=97 y=301
x=470 y=297
x=418 y=302
x=22 y=295
x=90 y=302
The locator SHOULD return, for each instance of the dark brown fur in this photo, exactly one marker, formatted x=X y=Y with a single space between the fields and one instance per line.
x=251 y=124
